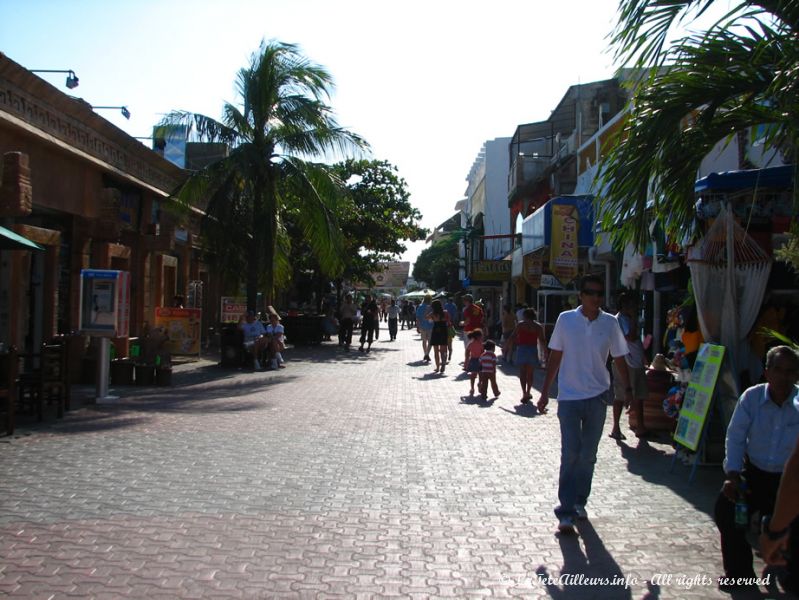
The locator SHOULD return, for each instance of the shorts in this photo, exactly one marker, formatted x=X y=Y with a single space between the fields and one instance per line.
x=527 y=355
x=474 y=365
x=425 y=333
x=637 y=381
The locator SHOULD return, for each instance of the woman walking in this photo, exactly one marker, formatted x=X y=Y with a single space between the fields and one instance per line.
x=439 y=336
x=508 y=323
x=526 y=337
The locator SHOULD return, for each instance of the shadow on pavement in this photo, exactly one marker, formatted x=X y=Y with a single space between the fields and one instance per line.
x=186 y=398
x=654 y=465
x=476 y=400
x=528 y=411
x=581 y=564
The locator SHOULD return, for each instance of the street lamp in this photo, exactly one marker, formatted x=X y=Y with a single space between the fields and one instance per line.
x=72 y=79
x=123 y=109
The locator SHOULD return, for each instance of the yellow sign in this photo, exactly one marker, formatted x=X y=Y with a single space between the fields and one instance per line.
x=565 y=250
x=182 y=326
x=533 y=269
x=696 y=403
x=490 y=270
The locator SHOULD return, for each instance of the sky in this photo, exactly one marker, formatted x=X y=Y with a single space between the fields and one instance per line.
x=425 y=82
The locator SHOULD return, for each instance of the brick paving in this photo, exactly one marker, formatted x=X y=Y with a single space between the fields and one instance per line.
x=341 y=476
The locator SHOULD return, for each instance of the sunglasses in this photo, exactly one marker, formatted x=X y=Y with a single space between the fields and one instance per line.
x=595 y=293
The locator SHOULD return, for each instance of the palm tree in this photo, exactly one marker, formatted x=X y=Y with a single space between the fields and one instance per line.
x=739 y=75
x=282 y=121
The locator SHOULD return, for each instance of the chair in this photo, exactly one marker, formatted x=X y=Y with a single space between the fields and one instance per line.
x=9 y=368
x=47 y=384
x=53 y=381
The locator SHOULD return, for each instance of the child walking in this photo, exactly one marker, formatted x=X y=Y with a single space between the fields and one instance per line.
x=474 y=349
x=488 y=370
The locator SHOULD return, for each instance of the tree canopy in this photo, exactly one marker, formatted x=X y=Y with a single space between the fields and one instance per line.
x=437 y=265
x=281 y=122
x=375 y=215
x=739 y=76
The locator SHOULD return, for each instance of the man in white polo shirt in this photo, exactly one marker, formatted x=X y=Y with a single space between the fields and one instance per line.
x=579 y=348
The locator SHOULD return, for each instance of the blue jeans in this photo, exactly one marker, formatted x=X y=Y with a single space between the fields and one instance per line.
x=581 y=424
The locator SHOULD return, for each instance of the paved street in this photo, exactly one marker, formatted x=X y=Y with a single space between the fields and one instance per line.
x=343 y=475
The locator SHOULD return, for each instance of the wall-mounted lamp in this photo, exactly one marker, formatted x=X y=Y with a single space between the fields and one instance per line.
x=123 y=109
x=72 y=79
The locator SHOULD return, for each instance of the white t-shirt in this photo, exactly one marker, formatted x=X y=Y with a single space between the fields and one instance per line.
x=276 y=331
x=585 y=345
x=393 y=312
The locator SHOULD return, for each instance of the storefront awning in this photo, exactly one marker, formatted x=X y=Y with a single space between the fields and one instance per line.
x=13 y=241
x=772 y=177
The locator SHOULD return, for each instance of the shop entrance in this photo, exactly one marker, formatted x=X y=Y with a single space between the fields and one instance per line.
x=35 y=302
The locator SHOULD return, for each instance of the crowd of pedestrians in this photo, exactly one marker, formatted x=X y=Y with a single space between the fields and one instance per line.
x=761 y=439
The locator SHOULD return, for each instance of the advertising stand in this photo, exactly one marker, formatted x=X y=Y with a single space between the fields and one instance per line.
x=104 y=313
x=692 y=423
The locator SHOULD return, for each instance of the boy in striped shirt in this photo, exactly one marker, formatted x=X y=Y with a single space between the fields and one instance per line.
x=488 y=370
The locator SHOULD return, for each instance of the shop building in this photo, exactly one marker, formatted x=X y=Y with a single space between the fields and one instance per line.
x=544 y=164
x=93 y=197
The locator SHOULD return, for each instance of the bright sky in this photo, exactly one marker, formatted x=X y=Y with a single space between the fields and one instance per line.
x=425 y=82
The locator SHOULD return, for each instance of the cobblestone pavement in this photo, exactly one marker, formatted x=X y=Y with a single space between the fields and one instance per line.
x=343 y=475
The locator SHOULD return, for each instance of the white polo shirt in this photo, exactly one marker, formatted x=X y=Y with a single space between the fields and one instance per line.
x=585 y=345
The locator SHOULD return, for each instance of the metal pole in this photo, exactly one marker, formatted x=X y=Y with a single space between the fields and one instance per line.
x=103 y=365
x=656 y=335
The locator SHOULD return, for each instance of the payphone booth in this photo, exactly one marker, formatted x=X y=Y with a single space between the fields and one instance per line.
x=104 y=313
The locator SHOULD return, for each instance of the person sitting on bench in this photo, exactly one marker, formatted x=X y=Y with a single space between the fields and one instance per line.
x=255 y=340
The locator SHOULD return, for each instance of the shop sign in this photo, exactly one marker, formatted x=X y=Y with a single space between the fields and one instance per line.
x=182 y=326
x=565 y=250
x=491 y=270
x=698 y=395
x=233 y=308
x=533 y=269
x=550 y=281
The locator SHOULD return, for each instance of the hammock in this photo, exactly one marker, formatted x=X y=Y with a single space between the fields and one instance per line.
x=729 y=271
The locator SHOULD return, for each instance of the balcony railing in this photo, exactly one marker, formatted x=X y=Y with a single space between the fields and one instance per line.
x=526 y=169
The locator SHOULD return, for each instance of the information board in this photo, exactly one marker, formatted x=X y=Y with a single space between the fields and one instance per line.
x=182 y=325
x=698 y=396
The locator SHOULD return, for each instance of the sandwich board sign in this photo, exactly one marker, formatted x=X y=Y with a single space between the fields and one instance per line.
x=698 y=396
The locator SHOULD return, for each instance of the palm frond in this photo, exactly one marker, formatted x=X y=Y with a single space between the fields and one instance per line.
x=776 y=335
x=717 y=84
x=315 y=189
x=200 y=127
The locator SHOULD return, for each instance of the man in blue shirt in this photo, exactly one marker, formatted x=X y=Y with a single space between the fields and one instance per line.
x=760 y=437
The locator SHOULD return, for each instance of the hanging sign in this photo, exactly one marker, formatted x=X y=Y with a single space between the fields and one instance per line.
x=533 y=269
x=698 y=395
x=565 y=249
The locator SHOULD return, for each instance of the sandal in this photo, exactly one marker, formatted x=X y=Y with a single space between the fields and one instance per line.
x=617 y=435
